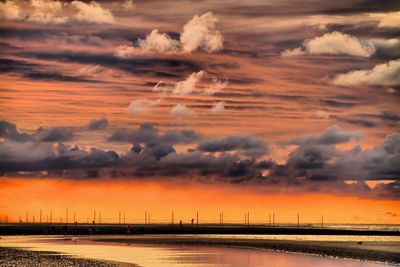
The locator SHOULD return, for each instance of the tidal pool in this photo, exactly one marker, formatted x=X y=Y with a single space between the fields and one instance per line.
x=175 y=255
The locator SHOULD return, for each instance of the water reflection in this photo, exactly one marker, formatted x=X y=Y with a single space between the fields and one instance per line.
x=176 y=256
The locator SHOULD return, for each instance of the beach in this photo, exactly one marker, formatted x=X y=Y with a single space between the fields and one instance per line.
x=20 y=257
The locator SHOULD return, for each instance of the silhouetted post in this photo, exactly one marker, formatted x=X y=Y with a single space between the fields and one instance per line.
x=322 y=221
x=66 y=216
x=99 y=217
x=74 y=217
x=298 y=221
x=145 y=217
x=51 y=216
x=222 y=216
x=248 y=218
x=26 y=219
x=273 y=219
x=94 y=216
x=40 y=217
x=33 y=218
x=124 y=217
x=148 y=214
x=269 y=219
x=119 y=217
x=197 y=218
x=172 y=217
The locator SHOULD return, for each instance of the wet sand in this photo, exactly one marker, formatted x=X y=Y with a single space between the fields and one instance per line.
x=20 y=257
x=379 y=251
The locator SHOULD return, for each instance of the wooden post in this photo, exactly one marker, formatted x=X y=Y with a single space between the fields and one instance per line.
x=269 y=219
x=74 y=217
x=124 y=217
x=197 y=218
x=222 y=218
x=322 y=221
x=40 y=217
x=172 y=217
x=145 y=217
x=119 y=217
x=51 y=216
x=94 y=216
x=273 y=219
x=298 y=221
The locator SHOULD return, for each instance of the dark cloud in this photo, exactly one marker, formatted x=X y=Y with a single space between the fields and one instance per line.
x=148 y=133
x=333 y=135
x=249 y=145
x=315 y=165
x=98 y=124
x=54 y=135
x=33 y=71
x=150 y=66
x=9 y=131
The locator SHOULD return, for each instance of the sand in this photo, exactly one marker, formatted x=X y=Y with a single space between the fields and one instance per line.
x=22 y=258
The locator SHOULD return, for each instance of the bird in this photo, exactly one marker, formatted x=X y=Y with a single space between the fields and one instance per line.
x=359 y=243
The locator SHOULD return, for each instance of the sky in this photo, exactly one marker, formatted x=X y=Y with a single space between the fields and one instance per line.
x=266 y=107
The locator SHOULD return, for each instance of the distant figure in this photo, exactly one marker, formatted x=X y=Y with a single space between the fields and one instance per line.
x=93 y=222
x=192 y=221
x=359 y=243
x=180 y=223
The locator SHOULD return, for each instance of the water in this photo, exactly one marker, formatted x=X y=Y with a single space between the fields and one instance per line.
x=175 y=256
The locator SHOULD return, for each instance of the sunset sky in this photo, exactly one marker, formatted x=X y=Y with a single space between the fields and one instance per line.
x=236 y=106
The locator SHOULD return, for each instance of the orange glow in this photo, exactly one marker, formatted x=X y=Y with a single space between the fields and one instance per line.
x=19 y=196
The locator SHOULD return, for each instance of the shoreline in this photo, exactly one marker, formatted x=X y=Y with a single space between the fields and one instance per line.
x=378 y=252
x=11 y=256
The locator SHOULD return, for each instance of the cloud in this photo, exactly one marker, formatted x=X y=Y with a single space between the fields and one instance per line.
x=9 y=131
x=334 y=43
x=390 y=20
x=322 y=115
x=147 y=133
x=154 y=42
x=142 y=106
x=10 y=10
x=315 y=165
x=216 y=87
x=212 y=85
x=128 y=4
x=200 y=33
x=387 y=74
x=51 y=11
x=54 y=135
x=333 y=135
x=47 y=11
x=98 y=124
x=298 y=51
x=218 y=107
x=248 y=145
x=181 y=110
x=187 y=86
x=92 y=13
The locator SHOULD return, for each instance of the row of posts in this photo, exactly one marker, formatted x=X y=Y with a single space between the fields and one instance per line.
x=122 y=218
